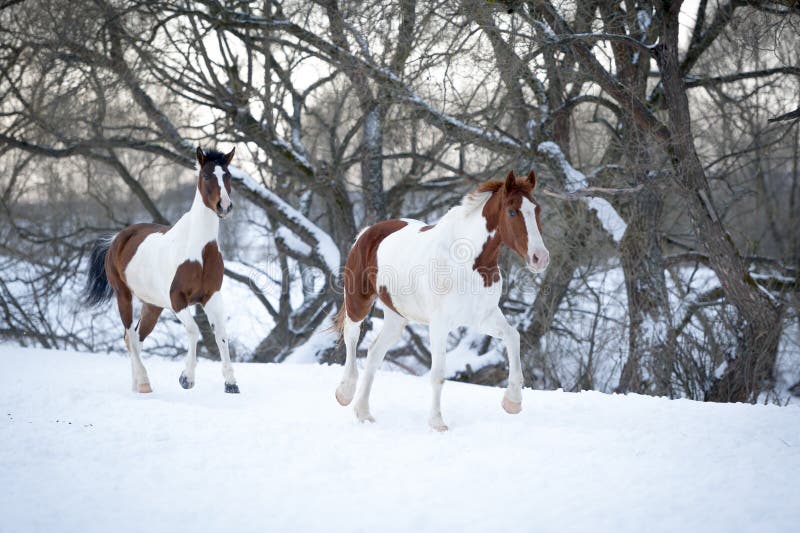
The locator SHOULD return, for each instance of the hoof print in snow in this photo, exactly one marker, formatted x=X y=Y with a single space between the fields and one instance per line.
x=232 y=388
x=184 y=381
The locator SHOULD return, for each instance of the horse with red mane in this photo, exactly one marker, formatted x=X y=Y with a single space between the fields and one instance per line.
x=445 y=276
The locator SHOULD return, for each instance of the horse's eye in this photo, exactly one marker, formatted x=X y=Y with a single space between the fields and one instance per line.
x=512 y=212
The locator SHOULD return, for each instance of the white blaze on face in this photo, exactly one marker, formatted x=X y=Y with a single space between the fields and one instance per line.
x=538 y=256
x=224 y=199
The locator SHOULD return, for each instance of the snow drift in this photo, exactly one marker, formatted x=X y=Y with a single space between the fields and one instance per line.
x=80 y=452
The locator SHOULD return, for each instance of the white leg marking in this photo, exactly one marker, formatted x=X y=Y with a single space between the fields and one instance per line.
x=497 y=326
x=438 y=336
x=139 y=380
x=393 y=325
x=192 y=336
x=215 y=309
x=347 y=387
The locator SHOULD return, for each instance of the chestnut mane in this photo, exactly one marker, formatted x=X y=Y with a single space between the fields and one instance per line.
x=493 y=186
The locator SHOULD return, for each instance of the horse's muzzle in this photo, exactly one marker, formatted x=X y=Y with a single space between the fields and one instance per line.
x=223 y=212
x=539 y=261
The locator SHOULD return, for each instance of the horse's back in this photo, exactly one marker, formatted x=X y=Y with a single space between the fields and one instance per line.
x=361 y=267
x=125 y=245
x=381 y=262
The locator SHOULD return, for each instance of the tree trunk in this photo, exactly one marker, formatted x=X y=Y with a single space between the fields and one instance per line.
x=648 y=368
x=751 y=371
x=372 y=163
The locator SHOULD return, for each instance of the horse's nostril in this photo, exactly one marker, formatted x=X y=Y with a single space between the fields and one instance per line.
x=535 y=258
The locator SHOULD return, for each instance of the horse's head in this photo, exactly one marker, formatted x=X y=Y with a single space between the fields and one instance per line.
x=214 y=180
x=514 y=214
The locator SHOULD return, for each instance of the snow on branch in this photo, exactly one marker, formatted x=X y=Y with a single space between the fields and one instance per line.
x=450 y=123
x=576 y=184
x=313 y=242
x=384 y=76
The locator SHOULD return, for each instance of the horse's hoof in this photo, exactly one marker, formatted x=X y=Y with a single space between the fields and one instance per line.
x=342 y=397
x=184 y=381
x=511 y=407
x=144 y=388
x=438 y=425
x=232 y=388
x=364 y=417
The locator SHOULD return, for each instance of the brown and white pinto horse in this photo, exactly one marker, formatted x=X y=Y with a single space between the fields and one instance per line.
x=170 y=267
x=445 y=276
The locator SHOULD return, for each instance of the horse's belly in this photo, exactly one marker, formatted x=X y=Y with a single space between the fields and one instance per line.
x=422 y=289
x=410 y=307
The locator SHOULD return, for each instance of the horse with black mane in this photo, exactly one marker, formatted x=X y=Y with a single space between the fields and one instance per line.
x=170 y=267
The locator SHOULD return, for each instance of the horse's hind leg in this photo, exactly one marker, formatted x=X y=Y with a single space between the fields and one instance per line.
x=393 y=325
x=139 y=380
x=347 y=388
x=193 y=335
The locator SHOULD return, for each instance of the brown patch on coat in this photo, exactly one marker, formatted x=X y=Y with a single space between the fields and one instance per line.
x=507 y=196
x=426 y=228
x=361 y=270
x=119 y=254
x=486 y=261
x=147 y=321
x=386 y=298
x=195 y=283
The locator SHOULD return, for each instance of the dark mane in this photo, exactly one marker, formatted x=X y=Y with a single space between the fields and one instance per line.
x=217 y=158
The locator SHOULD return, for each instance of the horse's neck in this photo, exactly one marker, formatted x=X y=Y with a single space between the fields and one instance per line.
x=199 y=226
x=466 y=225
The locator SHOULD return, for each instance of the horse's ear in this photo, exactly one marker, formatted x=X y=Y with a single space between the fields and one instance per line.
x=511 y=180
x=229 y=156
x=532 y=179
x=201 y=156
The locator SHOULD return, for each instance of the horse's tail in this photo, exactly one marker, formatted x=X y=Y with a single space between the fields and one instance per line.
x=338 y=320
x=97 y=289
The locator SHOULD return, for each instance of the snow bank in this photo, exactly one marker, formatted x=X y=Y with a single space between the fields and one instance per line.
x=80 y=452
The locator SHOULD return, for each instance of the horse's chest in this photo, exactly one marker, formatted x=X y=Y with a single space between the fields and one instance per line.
x=196 y=281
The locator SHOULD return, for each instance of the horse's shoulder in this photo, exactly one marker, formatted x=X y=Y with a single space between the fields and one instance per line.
x=213 y=268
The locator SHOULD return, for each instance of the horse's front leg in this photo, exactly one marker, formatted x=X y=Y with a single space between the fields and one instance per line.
x=497 y=326
x=438 y=335
x=186 y=378
x=215 y=309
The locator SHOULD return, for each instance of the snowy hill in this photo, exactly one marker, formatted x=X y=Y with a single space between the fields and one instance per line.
x=80 y=452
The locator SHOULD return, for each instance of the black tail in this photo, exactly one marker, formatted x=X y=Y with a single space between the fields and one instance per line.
x=97 y=289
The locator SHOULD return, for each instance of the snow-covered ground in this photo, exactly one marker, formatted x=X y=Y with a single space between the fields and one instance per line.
x=80 y=452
